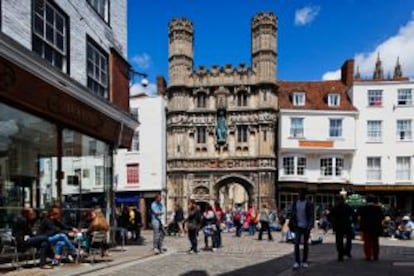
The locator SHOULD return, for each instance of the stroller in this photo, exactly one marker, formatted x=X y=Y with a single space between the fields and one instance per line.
x=173 y=229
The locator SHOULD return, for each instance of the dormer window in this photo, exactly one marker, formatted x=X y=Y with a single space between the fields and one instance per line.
x=334 y=99
x=242 y=98
x=201 y=100
x=299 y=98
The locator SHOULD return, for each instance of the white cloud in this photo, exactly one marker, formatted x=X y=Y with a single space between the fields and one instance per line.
x=137 y=88
x=306 y=15
x=332 y=75
x=143 y=61
x=399 y=45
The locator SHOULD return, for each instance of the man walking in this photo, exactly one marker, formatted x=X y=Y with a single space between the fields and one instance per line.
x=342 y=216
x=157 y=221
x=301 y=222
x=370 y=223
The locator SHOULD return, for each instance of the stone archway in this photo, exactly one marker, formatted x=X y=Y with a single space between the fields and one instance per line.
x=234 y=189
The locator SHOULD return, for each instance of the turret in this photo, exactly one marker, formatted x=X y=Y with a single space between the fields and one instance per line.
x=264 y=48
x=180 y=57
x=379 y=71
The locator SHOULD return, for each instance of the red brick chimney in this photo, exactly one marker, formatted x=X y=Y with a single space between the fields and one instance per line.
x=347 y=72
x=161 y=85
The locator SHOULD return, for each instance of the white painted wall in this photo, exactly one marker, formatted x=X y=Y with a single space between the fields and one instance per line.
x=152 y=154
x=316 y=128
x=83 y=20
x=389 y=113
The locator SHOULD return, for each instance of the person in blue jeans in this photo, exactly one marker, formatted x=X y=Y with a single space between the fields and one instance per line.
x=55 y=231
x=157 y=221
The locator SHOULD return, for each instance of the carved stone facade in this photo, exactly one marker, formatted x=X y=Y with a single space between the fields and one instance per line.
x=221 y=122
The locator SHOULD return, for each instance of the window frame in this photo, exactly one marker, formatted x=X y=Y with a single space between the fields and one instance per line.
x=371 y=130
x=372 y=170
x=332 y=169
x=333 y=129
x=102 y=54
x=399 y=170
x=201 y=100
x=402 y=133
x=42 y=38
x=334 y=99
x=201 y=135
x=107 y=16
x=242 y=134
x=242 y=99
x=299 y=98
x=301 y=130
x=375 y=97
x=297 y=167
x=132 y=173
x=409 y=98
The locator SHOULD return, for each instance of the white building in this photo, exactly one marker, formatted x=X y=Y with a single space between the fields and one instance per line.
x=316 y=138
x=141 y=171
x=383 y=163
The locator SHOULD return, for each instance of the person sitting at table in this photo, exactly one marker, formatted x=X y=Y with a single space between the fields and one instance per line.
x=25 y=238
x=405 y=229
x=57 y=234
x=97 y=222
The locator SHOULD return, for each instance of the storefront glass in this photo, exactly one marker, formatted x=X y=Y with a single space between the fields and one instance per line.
x=29 y=167
x=24 y=141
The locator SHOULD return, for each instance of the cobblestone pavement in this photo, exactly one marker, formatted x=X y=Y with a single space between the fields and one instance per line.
x=248 y=256
x=240 y=256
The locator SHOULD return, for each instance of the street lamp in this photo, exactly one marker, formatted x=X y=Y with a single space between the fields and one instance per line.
x=133 y=73
x=343 y=193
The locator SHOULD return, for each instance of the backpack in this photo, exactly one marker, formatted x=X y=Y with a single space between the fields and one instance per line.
x=237 y=216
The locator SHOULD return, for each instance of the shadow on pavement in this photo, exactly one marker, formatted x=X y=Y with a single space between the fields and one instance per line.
x=394 y=260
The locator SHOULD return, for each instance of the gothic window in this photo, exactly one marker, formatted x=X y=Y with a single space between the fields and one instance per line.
x=242 y=134
x=201 y=100
x=242 y=99
x=201 y=135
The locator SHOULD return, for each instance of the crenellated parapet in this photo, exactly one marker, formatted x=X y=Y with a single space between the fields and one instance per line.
x=264 y=18
x=222 y=75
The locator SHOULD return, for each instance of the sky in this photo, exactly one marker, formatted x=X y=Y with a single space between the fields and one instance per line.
x=314 y=37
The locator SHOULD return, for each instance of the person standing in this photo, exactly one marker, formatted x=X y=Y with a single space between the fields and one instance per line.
x=220 y=222
x=238 y=220
x=179 y=218
x=301 y=222
x=157 y=221
x=265 y=223
x=192 y=224
x=251 y=218
x=341 y=217
x=370 y=222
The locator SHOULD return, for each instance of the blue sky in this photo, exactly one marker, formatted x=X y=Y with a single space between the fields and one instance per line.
x=314 y=37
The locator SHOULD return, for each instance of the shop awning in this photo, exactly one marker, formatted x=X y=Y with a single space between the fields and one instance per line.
x=127 y=199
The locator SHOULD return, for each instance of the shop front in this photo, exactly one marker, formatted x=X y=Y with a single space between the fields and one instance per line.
x=56 y=139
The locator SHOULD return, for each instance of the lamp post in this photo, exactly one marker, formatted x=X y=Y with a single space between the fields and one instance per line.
x=343 y=193
x=133 y=73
